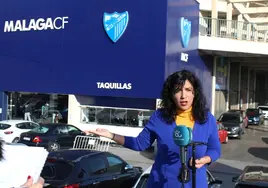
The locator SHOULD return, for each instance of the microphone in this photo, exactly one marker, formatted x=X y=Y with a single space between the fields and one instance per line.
x=182 y=137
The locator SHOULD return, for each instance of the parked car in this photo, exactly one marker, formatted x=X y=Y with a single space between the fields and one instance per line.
x=264 y=109
x=86 y=168
x=53 y=136
x=252 y=177
x=223 y=134
x=142 y=181
x=255 y=116
x=243 y=114
x=10 y=130
x=234 y=123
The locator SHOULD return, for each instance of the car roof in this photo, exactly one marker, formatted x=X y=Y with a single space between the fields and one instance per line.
x=230 y=113
x=14 y=122
x=148 y=171
x=56 y=124
x=72 y=154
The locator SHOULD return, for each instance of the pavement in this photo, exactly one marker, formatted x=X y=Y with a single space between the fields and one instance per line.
x=236 y=154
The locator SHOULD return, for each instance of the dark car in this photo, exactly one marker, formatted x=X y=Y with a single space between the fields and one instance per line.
x=255 y=116
x=86 y=168
x=243 y=114
x=51 y=136
x=234 y=124
x=252 y=177
x=143 y=179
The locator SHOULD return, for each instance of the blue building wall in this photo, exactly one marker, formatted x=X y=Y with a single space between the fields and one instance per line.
x=179 y=56
x=74 y=58
x=71 y=60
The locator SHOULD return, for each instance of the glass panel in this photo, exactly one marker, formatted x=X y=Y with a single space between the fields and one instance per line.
x=56 y=170
x=115 y=116
x=40 y=108
x=143 y=181
x=4 y=126
x=41 y=129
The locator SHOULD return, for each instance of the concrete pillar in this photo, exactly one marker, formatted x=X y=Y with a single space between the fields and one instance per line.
x=228 y=85
x=248 y=86
x=240 y=24
x=249 y=31
x=229 y=17
x=239 y=88
x=254 y=90
x=74 y=110
x=214 y=18
x=213 y=85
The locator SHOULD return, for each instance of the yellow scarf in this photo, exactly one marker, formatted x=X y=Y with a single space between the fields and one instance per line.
x=185 y=118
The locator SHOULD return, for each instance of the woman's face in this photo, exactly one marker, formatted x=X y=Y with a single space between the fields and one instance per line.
x=184 y=97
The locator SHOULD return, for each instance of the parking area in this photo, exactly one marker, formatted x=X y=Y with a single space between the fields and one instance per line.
x=236 y=154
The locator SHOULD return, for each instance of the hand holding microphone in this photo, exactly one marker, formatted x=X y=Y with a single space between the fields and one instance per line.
x=200 y=162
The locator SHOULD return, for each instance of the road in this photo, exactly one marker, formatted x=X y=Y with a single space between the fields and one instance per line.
x=236 y=154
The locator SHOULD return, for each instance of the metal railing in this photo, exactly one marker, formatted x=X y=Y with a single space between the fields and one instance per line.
x=91 y=143
x=233 y=29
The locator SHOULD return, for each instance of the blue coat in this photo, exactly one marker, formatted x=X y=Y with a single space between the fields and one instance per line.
x=167 y=163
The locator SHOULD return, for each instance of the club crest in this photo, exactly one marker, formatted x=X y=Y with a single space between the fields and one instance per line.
x=185 y=27
x=115 y=24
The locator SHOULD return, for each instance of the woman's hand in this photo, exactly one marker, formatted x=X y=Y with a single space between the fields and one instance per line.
x=200 y=162
x=101 y=132
x=30 y=184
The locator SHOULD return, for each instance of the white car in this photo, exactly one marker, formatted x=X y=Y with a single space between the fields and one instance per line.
x=142 y=181
x=264 y=109
x=10 y=130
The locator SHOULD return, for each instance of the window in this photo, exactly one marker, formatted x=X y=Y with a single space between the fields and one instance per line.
x=97 y=165
x=38 y=107
x=73 y=130
x=4 y=126
x=56 y=170
x=33 y=125
x=115 y=116
x=61 y=130
x=115 y=164
x=143 y=181
x=22 y=126
x=231 y=118
x=41 y=129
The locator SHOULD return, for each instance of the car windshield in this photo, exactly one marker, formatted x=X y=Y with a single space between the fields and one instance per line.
x=41 y=129
x=252 y=112
x=263 y=108
x=230 y=118
x=56 y=170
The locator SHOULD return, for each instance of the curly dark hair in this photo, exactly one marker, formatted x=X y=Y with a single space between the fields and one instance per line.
x=171 y=86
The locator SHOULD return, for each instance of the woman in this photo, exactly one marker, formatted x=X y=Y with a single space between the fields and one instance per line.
x=183 y=103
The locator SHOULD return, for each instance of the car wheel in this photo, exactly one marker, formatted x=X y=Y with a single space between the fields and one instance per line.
x=226 y=140
x=53 y=146
x=16 y=140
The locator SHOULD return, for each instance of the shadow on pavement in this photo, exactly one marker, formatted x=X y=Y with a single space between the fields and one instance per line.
x=261 y=153
x=265 y=139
